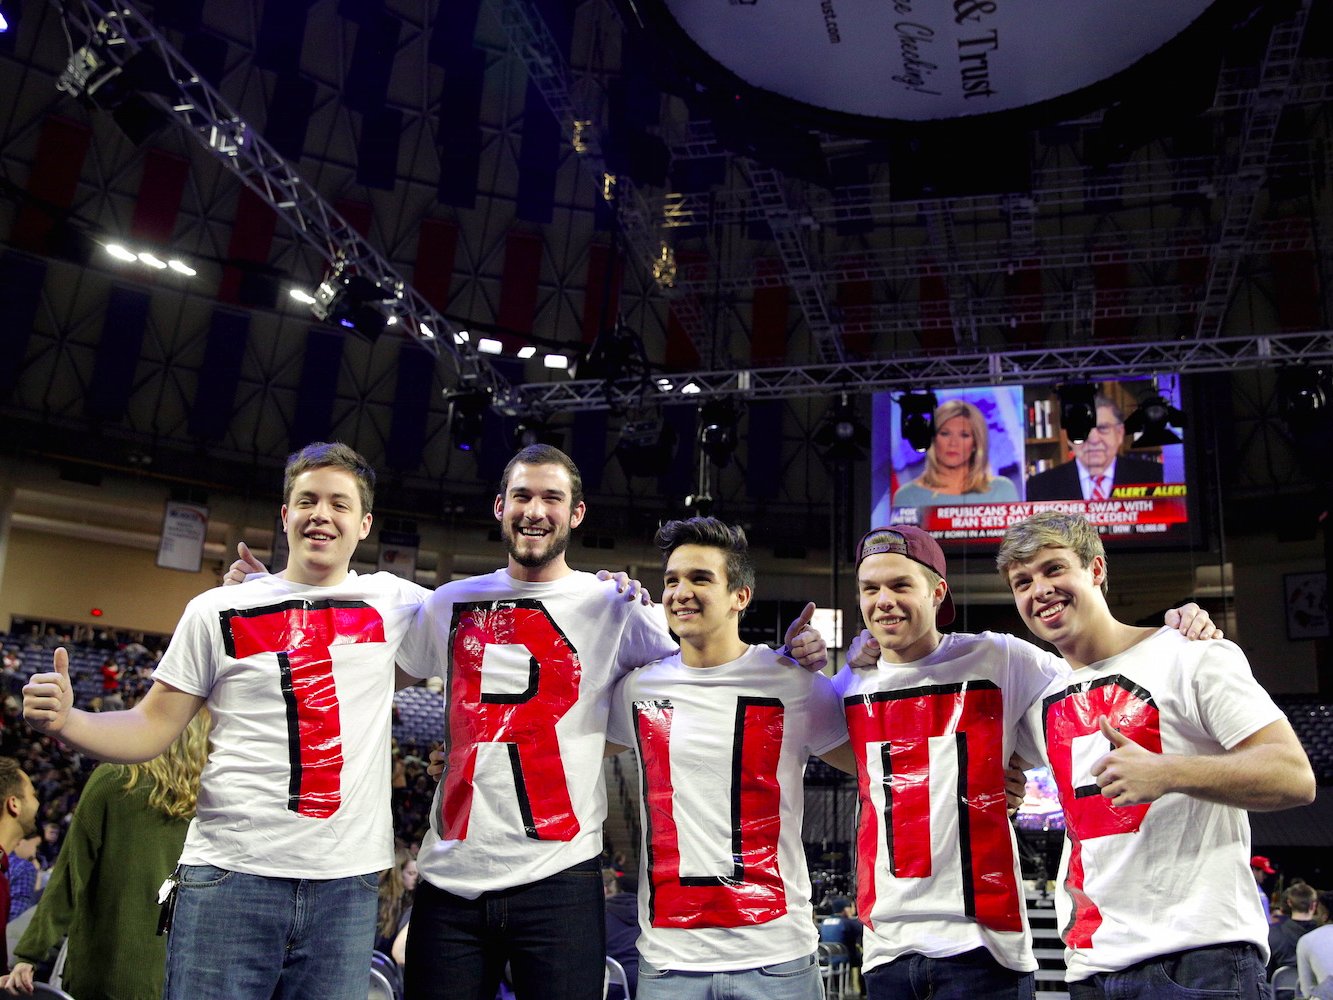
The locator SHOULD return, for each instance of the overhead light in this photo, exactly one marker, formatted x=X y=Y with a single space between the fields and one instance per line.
x=717 y=430
x=556 y=361
x=302 y=296
x=488 y=346
x=392 y=320
x=526 y=352
x=841 y=436
x=916 y=421
x=4 y=25
x=152 y=261
x=180 y=267
x=1303 y=397
x=1148 y=424
x=426 y=331
x=460 y=336
x=690 y=388
x=467 y=405
x=120 y=253
x=1078 y=410
x=354 y=302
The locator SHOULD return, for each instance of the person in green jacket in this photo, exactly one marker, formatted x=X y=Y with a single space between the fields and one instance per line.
x=125 y=838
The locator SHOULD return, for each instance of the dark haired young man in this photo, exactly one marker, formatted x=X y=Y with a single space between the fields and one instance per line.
x=277 y=888
x=722 y=731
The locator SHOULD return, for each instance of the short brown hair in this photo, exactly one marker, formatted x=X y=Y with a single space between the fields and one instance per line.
x=545 y=454
x=1049 y=530
x=335 y=455
x=11 y=778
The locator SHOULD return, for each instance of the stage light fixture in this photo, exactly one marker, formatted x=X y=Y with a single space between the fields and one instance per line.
x=488 y=346
x=1303 y=397
x=120 y=253
x=1078 y=409
x=646 y=447
x=354 y=302
x=152 y=261
x=1147 y=425
x=917 y=417
x=841 y=436
x=526 y=352
x=467 y=406
x=717 y=430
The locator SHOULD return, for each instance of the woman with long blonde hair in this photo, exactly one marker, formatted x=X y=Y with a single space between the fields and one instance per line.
x=125 y=838
x=957 y=463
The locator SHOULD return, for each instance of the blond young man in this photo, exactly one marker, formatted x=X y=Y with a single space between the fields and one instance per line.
x=1157 y=746
x=933 y=722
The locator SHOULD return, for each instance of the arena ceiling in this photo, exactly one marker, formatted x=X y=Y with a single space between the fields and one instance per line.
x=572 y=176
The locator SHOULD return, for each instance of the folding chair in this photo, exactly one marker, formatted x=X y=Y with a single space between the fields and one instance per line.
x=380 y=988
x=49 y=992
x=615 y=976
x=1285 y=982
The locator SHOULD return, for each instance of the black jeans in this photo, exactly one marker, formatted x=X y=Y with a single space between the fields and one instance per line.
x=1221 y=972
x=552 y=933
x=973 y=975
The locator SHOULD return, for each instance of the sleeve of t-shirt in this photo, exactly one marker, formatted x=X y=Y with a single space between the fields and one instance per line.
x=1231 y=704
x=644 y=638
x=619 y=726
x=416 y=653
x=1032 y=669
x=828 y=722
x=190 y=663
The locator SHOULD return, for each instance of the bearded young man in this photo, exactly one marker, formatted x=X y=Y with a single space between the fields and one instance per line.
x=529 y=654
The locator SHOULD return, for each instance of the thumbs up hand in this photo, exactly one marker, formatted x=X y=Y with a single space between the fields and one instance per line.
x=804 y=643
x=47 y=698
x=1130 y=775
x=247 y=564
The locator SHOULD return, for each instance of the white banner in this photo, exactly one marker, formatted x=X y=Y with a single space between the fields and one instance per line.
x=184 y=530
x=919 y=60
x=398 y=554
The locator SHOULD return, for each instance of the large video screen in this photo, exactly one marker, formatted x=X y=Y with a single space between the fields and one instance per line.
x=998 y=455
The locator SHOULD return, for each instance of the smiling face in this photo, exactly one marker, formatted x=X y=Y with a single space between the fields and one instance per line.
x=1058 y=597
x=898 y=603
x=536 y=520
x=954 y=443
x=324 y=522
x=698 y=600
x=1103 y=443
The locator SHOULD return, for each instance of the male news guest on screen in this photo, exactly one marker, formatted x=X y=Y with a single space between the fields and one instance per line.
x=1097 y=468
x=957 y=463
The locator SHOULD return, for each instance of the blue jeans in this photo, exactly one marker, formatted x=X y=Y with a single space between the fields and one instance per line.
x=1220 y=972
x=794 y=980
x=551 y=932
x=253 y=937
x=973 y=974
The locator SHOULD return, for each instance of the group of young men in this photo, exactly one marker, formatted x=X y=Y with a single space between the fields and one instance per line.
x=1157 y=744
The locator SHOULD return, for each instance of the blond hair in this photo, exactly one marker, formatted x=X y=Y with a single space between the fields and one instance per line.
x=1050 y=530
x=174 y=774
x=979 y=475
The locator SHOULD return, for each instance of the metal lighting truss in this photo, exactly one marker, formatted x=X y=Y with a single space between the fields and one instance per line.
x=531 y=41
x=116 y=34
x=1085 y=362
x=1277 y=72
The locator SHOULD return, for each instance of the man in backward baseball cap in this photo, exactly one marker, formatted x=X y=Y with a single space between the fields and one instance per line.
x=932 y=720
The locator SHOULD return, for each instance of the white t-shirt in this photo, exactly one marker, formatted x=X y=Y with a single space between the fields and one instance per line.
x=1141 y=881
x=934 y=879
x=528 y=671
x=722 y=751
x=300 y=682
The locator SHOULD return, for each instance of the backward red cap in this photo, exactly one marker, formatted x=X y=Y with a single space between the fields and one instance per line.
x=916 y=544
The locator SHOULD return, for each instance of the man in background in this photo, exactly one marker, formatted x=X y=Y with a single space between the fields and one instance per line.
x=18 y=820
x=1097 y=467
x=1302 y=900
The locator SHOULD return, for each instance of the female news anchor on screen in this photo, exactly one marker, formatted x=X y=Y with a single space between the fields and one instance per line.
x=957 y=463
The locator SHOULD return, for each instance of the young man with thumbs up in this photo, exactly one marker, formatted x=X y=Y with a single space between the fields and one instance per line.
x=1158 y=746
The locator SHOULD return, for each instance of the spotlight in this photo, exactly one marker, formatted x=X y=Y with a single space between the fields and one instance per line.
x=1302 y=397
x=646 y=448
x=917 y=417
x=841 y=436
x=120 y=253
x=717 y=430
x=526 y=351
x=354 y=302
x=1148 y=424
x=467 y=407
x=534 y=430
x=1078 y=409
x=152 y=261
